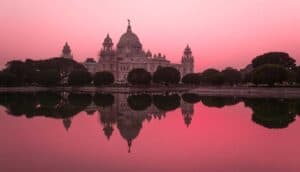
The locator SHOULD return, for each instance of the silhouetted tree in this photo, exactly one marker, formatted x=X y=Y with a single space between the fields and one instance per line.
x=47 y=77
x=7 y=79
x=79 y=78
x=191 y=78
x=103 y=78
x=278 y=58
x=27 y=72
x=139 y=76
x=212 y=76
x=231 y=76
x=166 y=75
x=269 y=74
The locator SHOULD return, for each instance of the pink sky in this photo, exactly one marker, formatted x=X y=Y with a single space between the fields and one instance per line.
x=221 y=33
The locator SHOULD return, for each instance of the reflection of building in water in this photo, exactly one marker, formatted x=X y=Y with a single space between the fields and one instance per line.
x=129 y=54
x=129 y=122
x=187 y=110
x=67 y=123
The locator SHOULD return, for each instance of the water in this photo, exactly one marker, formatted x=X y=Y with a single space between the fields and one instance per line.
x=105 y=132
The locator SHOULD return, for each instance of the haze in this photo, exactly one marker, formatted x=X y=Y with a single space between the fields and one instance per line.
x=221 y=33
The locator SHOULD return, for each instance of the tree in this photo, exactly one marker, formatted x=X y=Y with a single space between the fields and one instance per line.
x=191 y=78
x=297 y=71
x=269 y=74
x=212 y=76
x=47 y=77
x=103 y=78
x=166 y=75
x=139 y=76
x=279 y=58
x=7 y=79
x=27 y=72
x=79 y=78
x=232 y=76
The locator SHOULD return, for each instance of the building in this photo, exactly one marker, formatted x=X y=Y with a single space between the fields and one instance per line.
x=129 y=54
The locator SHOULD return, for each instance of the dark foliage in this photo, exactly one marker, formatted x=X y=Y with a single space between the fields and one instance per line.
x=166 y=102
x=191 y=98
x=104 y=100
x=8 y=79
x=271 y=113
x=103 y=78
x=47 y=77
x=166 y=75
x=219 y=102
x=139 y=102
x=27 y=72
x=278 y=58
x=139 y=76
x=191 y=78
x=269 y=74
x=79 y=78
x=212 y=77
x=231 y=76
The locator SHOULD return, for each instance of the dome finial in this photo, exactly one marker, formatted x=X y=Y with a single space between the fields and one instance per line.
x=129 y=26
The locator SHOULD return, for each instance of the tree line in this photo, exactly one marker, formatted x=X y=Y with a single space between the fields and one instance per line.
x=268 y=69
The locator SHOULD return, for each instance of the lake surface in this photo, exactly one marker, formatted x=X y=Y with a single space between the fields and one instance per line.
x=171 y=132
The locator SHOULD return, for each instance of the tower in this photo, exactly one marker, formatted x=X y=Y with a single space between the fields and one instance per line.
x=66 y=52
x=107 y=49
x=187 y=61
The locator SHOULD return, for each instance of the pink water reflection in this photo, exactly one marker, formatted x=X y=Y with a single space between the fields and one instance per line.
x=217 y=140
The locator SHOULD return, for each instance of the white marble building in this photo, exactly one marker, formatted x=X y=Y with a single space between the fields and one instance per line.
x=129 y=54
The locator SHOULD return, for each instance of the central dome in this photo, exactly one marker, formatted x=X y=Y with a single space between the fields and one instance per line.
x=129 y=44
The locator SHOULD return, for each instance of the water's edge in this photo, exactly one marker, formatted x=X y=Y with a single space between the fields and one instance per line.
x=279 y=92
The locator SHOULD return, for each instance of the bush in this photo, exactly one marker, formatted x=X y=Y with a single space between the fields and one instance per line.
x=7 y=79
x=139 y=76
x=103 y=78
x=269 y=74
x=212 y=76
x=79 y=78
x=191 y=78
x=166 y=75
x=232 y=76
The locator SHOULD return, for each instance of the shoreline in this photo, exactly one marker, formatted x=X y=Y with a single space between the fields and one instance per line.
x=271 y=92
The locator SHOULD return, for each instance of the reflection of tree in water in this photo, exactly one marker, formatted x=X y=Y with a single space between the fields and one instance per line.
x=271 y=113
x=104 y=100
x=139 y=102
x=191 y=98
x=166 y=102
x=219 y=102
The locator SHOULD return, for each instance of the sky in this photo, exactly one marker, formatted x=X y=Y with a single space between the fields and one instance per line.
x=221 y=33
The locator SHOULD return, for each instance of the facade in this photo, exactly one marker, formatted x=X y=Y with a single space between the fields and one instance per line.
x=129 y=54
